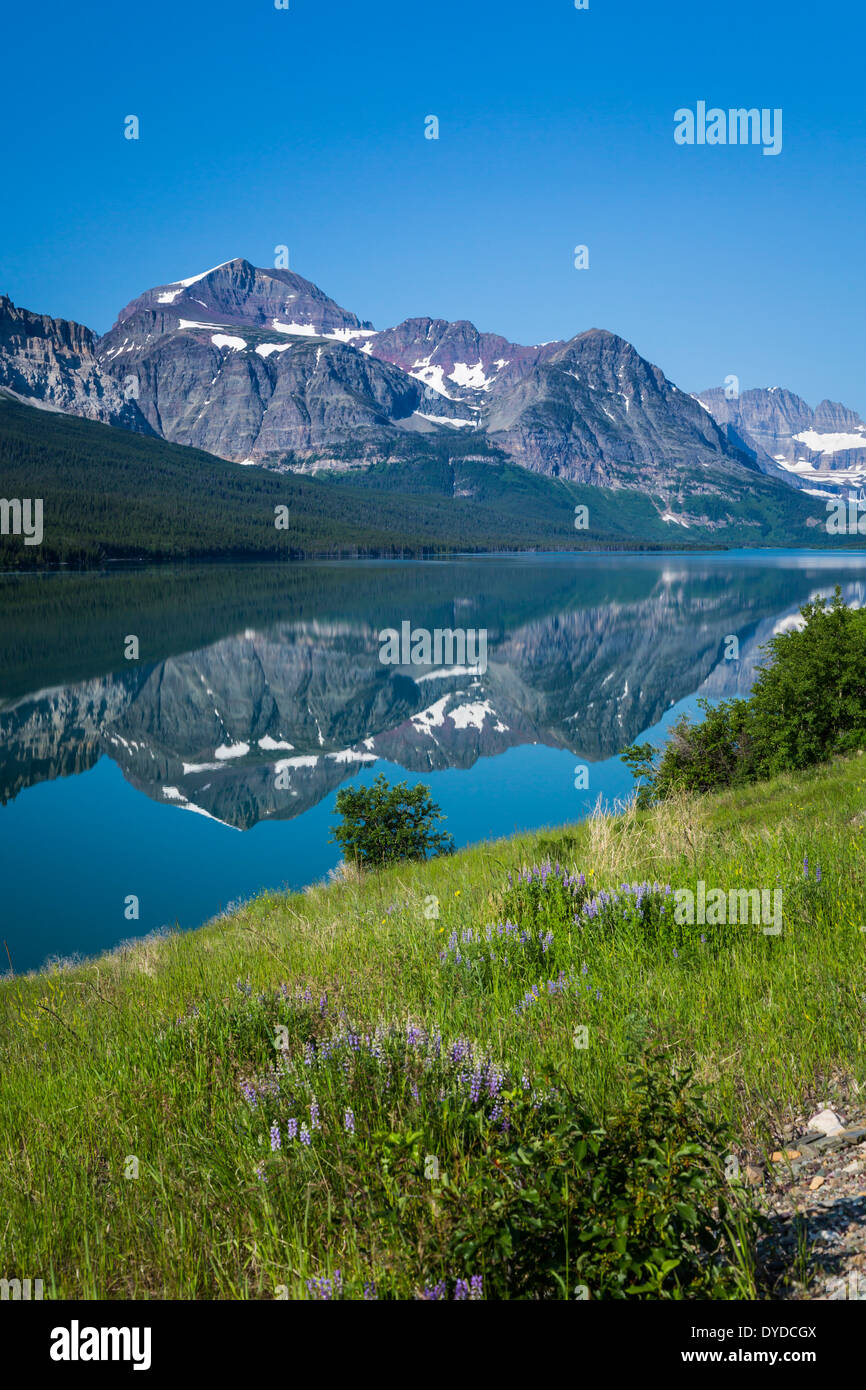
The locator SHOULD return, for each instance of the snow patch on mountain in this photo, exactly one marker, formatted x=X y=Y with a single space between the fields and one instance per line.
x=830 y=443
x=464 y=375
x=194 y=279
x=302 y=330
x=231 y=750
x=446 y=420
x=265 y=349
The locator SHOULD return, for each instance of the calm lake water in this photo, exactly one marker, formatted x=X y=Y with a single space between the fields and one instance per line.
x=206 y=770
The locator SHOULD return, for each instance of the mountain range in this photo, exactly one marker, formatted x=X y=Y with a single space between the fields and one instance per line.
x=260 y=367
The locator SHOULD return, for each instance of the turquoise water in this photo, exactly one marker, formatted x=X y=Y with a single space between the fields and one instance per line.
x=160 y=777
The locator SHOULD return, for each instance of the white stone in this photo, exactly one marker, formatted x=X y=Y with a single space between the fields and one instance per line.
x=827 y=1121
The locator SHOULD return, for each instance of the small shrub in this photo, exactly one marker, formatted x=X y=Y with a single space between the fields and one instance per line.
x=383 y=824
x=639 y=1208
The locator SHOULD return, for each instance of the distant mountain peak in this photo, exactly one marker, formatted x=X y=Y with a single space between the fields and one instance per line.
x=821 y=450
x=239 y=294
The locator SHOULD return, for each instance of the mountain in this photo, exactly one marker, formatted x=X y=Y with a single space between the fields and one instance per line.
x=237 y=294
x=109 y=493
x=52 y=363
x=260 y=367
x=454 y=358
x=597 y=412
x=821 y=450
x=255 y=366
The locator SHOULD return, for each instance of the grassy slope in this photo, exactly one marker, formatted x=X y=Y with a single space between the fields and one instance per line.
x=93 y=1066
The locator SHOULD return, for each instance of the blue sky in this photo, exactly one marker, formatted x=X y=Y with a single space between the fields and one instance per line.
x=305 y=127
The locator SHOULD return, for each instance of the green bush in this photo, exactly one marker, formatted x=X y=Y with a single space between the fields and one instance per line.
x=383 y=824
x=639 y=1207
x=808 y=704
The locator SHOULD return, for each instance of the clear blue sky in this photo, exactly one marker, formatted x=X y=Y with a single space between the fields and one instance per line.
x=306 y=127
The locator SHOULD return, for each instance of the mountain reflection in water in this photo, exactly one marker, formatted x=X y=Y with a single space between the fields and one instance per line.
x=260 y=689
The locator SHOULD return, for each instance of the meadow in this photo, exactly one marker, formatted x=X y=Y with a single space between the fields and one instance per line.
x=507 y=1073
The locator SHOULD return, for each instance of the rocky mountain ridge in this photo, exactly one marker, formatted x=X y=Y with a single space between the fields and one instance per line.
x=822 y=450
x=261 y=367
x=53 y=363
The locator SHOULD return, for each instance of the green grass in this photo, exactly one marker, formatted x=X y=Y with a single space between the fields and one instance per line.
x=143 y=1052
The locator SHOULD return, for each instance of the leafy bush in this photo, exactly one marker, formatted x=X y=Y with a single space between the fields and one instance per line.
x=383 y=824
x=808 y=703
x=637 y=1208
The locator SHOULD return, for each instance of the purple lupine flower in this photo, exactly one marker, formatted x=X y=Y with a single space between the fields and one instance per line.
x=260 y=1172
x=315 y=1122
x=805 y=866
x=818 y=873
x=349 y=1122
x=370 y=1294
x=476 y=1290
x=306 y=1137
x=275 y=1137
x=461 y=1290
x=249 y=1093
x=495 y=1078
x=291 y=1129
x=434 y=1292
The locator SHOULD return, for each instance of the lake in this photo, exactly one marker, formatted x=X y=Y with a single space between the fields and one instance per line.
x=205 y=769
